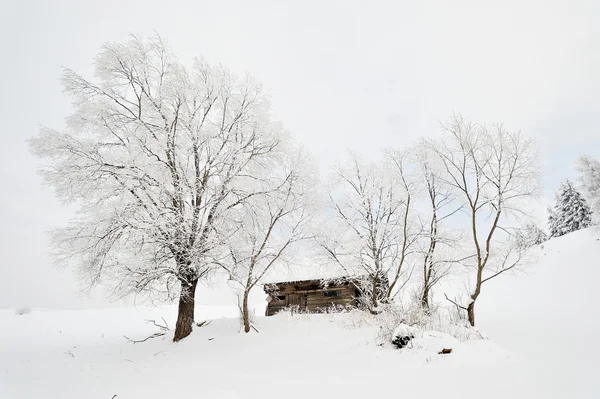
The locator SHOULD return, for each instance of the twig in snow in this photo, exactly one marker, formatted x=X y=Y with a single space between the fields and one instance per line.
x=203 y=323
x=164 y=327
x=155 y=335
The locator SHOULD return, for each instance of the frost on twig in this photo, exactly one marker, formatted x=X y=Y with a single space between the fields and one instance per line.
x=458 y=306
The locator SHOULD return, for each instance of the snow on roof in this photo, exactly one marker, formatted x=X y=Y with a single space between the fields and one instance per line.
x=307 y=269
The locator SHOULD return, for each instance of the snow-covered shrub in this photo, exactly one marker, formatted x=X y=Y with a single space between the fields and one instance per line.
x=570 y=213
x=395 y=317
x=402 y=335
x=336 y=309
x=23 y=311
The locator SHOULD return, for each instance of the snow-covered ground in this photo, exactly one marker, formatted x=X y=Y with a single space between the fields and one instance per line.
x=550 y=314
x=545 y=323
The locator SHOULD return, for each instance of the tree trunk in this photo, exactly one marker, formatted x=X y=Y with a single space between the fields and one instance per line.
x=185 y=315
x=245 y=314
x=471 y=307
x=425 y=296
x=471 y=313
x=374 y=295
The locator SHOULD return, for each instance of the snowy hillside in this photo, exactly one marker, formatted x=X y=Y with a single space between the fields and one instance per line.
x=545 y=324
x=551 y=312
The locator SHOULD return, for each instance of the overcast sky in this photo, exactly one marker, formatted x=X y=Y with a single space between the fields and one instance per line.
x=358 y=75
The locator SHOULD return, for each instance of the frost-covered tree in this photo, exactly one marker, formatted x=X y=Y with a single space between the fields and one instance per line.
x=571 y=211
x=365 y=236
x=435 y=240
x=589 y=178
x=400 y=167
x=494 y=172
x=267 y=227
x=158 y=157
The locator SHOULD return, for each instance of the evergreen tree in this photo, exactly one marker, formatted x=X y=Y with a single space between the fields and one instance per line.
x=551 y=221
x=571 y=212
x=530 y=235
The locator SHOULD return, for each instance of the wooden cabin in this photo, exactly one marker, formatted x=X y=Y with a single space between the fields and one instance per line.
x=311 y=295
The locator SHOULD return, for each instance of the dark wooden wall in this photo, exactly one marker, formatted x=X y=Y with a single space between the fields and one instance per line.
x=309 y=296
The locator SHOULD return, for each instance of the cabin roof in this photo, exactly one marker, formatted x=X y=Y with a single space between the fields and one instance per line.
x=339 y=278
x=319 y=281
x=309 y=280
x=305 y=271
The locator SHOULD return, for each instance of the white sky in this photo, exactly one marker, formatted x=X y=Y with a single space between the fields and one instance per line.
x=358 y=75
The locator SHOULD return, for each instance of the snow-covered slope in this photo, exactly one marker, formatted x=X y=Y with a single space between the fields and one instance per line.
x=82 y=354
x=551 y=312
x=545 y=321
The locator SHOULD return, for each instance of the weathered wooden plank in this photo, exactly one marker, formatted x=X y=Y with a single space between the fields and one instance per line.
x=309 y=295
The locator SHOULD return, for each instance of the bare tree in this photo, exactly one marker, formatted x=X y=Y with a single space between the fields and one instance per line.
x=366 y=233
x=157 y=157
x=409 y=236
x=268 y=227
x=495 y=172
x=436 y=261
